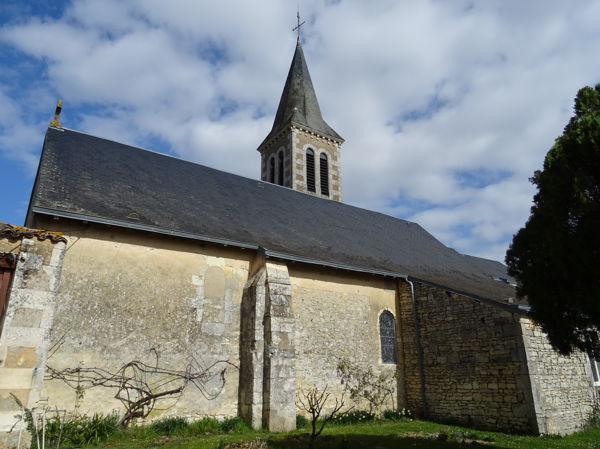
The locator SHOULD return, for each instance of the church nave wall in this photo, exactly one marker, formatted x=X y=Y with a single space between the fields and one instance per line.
x=473 y=361
x=127 y=294
x=337 y=318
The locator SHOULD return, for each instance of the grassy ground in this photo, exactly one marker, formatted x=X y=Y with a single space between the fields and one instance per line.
x=381 y=435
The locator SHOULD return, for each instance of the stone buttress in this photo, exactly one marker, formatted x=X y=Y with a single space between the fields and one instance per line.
x=267 y=389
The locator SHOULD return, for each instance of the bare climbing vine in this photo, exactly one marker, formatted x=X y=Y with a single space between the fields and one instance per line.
x=139 y=385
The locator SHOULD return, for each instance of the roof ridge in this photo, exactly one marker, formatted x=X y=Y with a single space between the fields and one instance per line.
x=136 y=147
x=264 y=183
x=85 y=175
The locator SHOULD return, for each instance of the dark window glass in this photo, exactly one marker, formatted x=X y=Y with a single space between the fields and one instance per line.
x=387 y=333
x=280 y=165
x=310 y=170
x=324 y=172
x=272 y=170
x=595 y=369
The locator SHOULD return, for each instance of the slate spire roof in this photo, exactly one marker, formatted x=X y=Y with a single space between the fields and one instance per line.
x=298 y=103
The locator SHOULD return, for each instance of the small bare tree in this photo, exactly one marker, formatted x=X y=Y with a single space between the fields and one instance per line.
x=140 y=385
x=313 y=401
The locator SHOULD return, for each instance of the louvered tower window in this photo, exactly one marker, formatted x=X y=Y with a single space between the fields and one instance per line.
x=387 y=334
x=280 y=168
x=324 y=172
x=310 y=170
x=272 y=170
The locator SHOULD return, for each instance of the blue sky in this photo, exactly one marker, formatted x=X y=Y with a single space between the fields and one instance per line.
x=447 y=108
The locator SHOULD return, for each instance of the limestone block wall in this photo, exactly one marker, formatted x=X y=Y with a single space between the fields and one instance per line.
x=562 y=387
x=279 y=386
x=293 y=142
x=281 y=142
x=267 y=355
x=303 y=139
x=337 y=317
x=473 y=369
x=25 y=335
x=127 y=295
x=252 y=346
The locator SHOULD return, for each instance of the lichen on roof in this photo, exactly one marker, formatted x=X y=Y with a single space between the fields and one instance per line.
x=19 y=232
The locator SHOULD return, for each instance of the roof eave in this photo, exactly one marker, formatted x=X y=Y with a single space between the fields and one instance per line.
x=290 y=124
x=271 y=254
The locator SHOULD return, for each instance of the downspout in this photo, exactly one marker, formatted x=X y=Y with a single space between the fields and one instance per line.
x=420 y=357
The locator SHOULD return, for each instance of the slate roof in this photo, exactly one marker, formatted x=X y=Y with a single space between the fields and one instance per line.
x=298 y=103
x=95 y=179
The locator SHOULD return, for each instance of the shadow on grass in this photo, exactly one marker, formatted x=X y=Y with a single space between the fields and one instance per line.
x=358 y=441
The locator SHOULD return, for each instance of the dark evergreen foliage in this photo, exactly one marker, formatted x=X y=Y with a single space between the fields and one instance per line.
x=556 y=256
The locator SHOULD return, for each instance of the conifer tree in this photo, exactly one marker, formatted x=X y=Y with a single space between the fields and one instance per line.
x=556 y=256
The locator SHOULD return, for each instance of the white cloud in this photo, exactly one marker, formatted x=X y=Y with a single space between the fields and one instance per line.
x=487 y=87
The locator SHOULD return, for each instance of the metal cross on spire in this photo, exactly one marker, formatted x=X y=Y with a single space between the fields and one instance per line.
x=297 y=27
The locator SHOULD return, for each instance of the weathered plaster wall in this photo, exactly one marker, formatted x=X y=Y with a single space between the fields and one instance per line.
x=126 y=293
x=474 y=364
x=10 y=245
x=24 y=342
x=337 y=317
x=563 y=389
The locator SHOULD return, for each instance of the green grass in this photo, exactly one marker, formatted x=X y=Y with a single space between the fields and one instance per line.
x=380 y=435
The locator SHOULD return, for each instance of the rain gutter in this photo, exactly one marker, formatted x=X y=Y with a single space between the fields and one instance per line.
x=420 y=356
x=272 y=254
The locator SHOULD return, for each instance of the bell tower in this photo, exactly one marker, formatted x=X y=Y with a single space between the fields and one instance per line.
x=302 y=151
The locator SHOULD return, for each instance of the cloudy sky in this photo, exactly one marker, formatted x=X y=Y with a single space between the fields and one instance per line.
x=447 y=107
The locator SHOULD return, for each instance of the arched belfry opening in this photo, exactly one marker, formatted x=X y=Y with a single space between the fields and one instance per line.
x=304 y=148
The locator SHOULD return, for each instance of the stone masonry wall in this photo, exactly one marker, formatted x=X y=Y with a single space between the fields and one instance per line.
x=294 y=141
x=337 y=317
x=563 y=389
x=473 y=361
x=252 y=346
x=302 y=140
x=279 y=387
x=25 y=337
x=281 y=142
x=267 y=356
x=126 y=295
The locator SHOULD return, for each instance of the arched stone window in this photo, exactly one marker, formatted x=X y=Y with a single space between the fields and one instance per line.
x=310 y=170
x=280 y=168
x=387 y=335
x=595 y=365
x=271 y=170
x=324 y=173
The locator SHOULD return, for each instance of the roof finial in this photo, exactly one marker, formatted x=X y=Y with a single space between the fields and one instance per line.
x=56 y=122
x=297 y=28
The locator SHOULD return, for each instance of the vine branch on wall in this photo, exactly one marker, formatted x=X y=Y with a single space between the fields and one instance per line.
x=140 y=385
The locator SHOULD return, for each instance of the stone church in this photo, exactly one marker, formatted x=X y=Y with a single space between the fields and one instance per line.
x=128 y=253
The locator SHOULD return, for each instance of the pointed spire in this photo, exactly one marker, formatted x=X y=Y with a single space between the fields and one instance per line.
x=298 y=102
